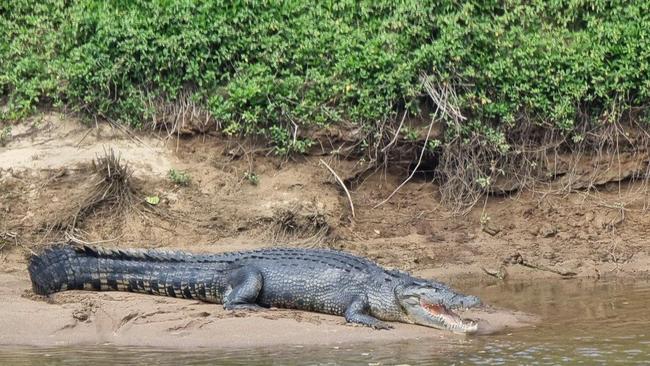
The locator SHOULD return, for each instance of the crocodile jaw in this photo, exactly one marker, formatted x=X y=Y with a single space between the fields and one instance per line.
x=447 y=319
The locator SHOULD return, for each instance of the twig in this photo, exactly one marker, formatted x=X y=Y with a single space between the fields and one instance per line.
x=295 y=131
x=26 y=248
x=8 y=234
x=426 y=140
x=83 y=138
x=5 y=235
x=519 y=259
x=441 y=98
x=444 y=107
x=338 y=179
x=396 y=134
x=126 y=131
x=14 y=236
x=547 y=269
x=500 y=273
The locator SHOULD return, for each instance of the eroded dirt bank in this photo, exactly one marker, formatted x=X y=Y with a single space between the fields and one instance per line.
x=240 y=198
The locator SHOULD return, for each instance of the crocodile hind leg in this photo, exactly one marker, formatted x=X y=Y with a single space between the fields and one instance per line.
x=357 y=312
x=244 y=286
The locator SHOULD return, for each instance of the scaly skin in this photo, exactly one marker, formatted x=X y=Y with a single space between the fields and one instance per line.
x=323 y=281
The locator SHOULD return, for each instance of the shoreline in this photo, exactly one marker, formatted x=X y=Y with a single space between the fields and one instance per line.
x=126 y=319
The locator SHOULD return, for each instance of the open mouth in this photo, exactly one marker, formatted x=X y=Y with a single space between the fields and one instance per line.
x=449 y=319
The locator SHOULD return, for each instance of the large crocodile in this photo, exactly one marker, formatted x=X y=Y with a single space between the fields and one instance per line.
x=325 y=281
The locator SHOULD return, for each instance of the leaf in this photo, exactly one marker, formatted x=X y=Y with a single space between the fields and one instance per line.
x=152 y=200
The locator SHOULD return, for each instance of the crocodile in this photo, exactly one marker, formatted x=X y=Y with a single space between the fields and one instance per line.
x=318 y=280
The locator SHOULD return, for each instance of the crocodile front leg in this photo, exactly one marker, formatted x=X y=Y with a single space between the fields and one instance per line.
x=357 y=312
x=244 y=287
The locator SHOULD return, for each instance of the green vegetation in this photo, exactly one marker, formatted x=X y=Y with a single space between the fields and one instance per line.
x=409 y=134
x=275 y=69
x=179 y=177
x=5 y=135
x=252 y=178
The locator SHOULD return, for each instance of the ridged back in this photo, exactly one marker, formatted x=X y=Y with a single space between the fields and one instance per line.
x=65 y=266
x=332 y=258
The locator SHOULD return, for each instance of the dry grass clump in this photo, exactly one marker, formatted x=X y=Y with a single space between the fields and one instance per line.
x=109 y=191
x=301 y=224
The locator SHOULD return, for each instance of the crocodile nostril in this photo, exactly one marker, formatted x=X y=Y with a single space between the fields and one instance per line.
x=470 y=301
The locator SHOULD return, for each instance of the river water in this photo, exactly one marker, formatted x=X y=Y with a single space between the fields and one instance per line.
x=583 y=322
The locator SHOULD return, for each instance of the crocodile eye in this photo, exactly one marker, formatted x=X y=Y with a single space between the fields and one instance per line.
x=428 y=290
x=429 y=287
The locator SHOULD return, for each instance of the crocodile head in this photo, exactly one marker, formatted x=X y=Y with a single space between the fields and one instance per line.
x=428 y=303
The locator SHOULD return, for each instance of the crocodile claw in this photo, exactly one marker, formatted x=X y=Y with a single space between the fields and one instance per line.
x=382 y=326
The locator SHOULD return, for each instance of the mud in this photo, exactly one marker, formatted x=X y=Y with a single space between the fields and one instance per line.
x=241 y=196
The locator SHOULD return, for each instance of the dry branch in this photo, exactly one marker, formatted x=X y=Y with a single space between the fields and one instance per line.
x=383 y=150
x=338 y=179
x=440 y=96
x=426 y=140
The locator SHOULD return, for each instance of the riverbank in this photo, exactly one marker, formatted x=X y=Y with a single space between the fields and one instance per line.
x=239 y=197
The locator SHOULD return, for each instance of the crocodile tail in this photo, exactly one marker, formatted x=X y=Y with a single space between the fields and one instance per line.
x=49 y=271
x=66 y=267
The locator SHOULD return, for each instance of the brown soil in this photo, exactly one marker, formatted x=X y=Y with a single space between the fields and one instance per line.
x=45 y=170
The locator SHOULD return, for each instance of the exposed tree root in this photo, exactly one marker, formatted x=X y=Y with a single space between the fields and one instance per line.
x=534 y=156
x=183 y=115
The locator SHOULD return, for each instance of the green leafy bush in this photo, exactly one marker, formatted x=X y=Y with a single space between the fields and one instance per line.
x=261 y=68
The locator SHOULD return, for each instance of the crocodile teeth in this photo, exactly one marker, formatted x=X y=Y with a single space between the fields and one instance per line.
x=450 y=319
